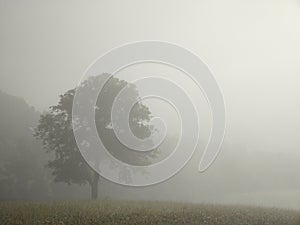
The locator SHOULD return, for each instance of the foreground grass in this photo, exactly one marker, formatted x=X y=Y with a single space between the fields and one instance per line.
x=98 y=212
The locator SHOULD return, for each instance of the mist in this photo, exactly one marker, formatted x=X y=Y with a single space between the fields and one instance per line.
x=252 y=49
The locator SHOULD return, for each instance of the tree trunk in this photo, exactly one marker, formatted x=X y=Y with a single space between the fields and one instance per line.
x=94 y=187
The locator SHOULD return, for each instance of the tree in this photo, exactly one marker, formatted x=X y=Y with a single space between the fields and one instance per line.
x=55 y=131
x=21 y=171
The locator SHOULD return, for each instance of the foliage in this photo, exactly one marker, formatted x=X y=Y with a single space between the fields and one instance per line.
x=21 y=162
x=55 y=131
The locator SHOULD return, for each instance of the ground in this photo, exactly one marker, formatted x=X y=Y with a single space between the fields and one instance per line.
x=125 y=212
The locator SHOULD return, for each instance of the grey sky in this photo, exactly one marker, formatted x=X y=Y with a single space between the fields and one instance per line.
x=252 y=48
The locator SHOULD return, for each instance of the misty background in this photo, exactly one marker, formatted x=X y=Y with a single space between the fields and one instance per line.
x=252 y=48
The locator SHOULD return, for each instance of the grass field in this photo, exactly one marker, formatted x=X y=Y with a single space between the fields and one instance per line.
x=109 y=212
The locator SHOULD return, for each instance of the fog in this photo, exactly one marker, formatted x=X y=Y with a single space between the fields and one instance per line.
x=252 y=49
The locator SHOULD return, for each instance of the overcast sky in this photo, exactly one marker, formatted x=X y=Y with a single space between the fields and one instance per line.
x=252 y=47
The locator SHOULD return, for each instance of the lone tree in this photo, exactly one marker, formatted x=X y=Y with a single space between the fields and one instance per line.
x=55 y=131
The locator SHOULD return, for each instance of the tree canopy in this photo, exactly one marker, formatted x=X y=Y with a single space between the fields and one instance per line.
x=55 y=131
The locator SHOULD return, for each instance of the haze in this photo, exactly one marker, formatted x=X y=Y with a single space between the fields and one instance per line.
x=252 y=48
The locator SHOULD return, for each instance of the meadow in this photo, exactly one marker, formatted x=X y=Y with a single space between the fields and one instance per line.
x=126 y=212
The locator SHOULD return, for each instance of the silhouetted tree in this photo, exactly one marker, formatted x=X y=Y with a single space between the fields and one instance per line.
x=21 y=161
x=55 y=131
